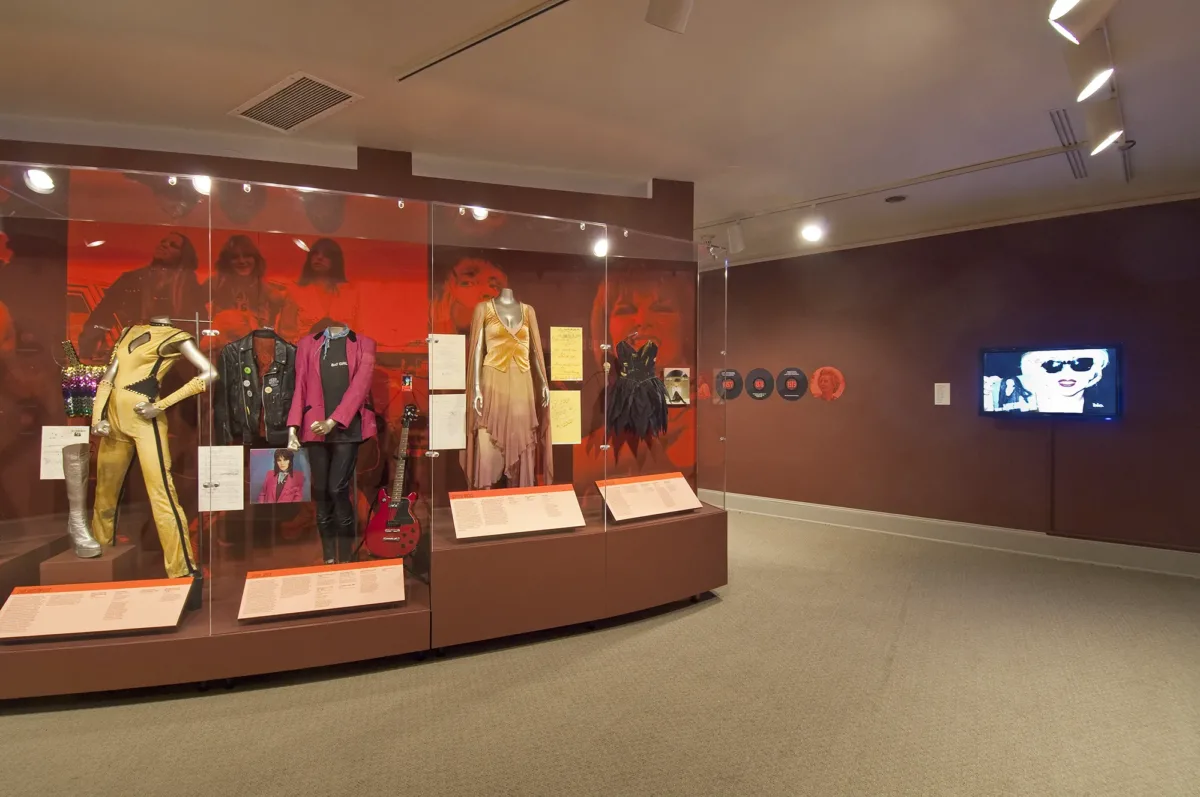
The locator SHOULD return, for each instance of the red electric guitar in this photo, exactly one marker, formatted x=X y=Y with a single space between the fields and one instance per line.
x=393 y=531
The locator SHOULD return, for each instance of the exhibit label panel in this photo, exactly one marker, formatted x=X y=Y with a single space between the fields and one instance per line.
x=491 y=513
x=73 y=609
x=646 y=496
x=323 y=588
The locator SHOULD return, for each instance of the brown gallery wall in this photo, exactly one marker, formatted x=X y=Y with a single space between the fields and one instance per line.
x=898 y=318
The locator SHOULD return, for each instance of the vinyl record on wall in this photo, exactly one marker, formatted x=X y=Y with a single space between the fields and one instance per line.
x=792 y=384
x=729 y=384
x=760 y=384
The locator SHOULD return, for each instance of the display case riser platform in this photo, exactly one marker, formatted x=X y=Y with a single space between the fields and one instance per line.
x=21 y=558
x=117 y=563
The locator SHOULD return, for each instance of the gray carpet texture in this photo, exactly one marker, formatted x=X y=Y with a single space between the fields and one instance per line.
x=836 y=662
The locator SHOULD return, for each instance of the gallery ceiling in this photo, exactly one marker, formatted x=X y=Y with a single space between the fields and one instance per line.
x=762 y=104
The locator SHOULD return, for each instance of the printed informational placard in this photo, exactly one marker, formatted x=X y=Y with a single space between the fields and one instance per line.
x=324 y=588
x=220 y=479
x=54 y=440
x=447 y=421
x=447 y=362
x=645 y=496
x=566 y=354
x=74 y=609
x=492 y=513
x=564 y=418
x=941 y=394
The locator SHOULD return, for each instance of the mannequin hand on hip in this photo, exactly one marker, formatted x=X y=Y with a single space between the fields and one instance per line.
x=545 y=396
x=102 y=429
x=323 y=427
x=477 y=403
x=293 y=439
x=146 y=411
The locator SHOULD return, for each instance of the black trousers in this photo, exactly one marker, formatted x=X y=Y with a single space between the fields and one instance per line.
x=332 y=490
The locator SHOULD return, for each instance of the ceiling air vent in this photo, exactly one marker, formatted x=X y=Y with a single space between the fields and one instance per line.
x=295 y=102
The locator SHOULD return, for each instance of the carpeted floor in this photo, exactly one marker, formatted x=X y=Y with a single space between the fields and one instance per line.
x=837 y=662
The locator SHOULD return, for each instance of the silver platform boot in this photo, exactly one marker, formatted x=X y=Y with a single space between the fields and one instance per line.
x=75 y=468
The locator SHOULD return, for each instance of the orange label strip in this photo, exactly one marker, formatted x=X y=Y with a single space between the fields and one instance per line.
x=551 y=488
x=305 y=571
x=100 y=586
x=661 y=477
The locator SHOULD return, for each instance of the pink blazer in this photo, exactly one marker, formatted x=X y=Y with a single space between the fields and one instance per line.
x=308 y=402
x=293 y=489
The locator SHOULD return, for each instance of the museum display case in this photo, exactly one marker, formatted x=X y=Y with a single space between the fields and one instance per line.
x=363 y=426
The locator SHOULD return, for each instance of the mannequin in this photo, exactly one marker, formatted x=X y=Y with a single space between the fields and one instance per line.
x=509 y=436
x=128 y=417
x=331 y=416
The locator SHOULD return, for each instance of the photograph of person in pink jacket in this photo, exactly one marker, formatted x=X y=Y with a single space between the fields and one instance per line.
x=282 y=476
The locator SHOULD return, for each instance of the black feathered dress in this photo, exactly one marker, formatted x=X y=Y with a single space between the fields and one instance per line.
x=637 y=398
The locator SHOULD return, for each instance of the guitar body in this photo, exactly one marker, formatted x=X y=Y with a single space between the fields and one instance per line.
x=392 y=532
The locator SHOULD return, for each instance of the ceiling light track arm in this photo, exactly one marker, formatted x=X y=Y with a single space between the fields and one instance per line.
x=480 y=38
x=809 y=204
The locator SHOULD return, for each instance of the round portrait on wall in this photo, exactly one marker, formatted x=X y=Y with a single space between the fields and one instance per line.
x=729 y=384
x=760 y=384
x=792 y=384
x=828 y=383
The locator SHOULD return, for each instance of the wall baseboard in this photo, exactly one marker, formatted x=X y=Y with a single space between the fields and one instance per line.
x=1108 y=554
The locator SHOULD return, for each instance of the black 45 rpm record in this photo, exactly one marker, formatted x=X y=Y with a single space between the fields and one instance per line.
x=792 y=384
x=729 y=384
x=760 y=384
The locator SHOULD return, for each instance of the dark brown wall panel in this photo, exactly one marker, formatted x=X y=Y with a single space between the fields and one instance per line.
x=898 y=318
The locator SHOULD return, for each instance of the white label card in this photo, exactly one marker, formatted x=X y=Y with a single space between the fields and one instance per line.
x=447 y=421
x=54 y=440
x=447 y=362
x=302 y=590
x=71 y=609
x=941 y=394
x=493 y=513
x=646 y=496
x=221 y=479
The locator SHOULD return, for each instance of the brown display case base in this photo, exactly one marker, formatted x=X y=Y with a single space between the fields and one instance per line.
x=503 y=586
x=117 y=563
x=21 y=559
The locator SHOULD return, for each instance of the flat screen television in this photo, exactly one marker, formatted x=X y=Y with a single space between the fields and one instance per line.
x=1048 y=381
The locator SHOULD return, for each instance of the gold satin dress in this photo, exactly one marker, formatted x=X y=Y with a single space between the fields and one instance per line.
x=141 y=366
x=507 y=439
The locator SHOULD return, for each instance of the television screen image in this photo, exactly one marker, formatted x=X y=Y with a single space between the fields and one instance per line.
x=1081 y=382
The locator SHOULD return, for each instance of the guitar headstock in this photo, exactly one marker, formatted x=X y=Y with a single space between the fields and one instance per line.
x=410 y=415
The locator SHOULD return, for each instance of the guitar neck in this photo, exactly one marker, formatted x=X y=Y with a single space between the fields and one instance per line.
x=401 y=461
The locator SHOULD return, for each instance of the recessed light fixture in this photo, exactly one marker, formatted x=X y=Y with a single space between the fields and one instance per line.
x=300 y=244
x=1076 y=19
x=39 y=181
x=93 y=244
x=203 y=185
x=478 y=213
x=896 y=199
x=600 y=248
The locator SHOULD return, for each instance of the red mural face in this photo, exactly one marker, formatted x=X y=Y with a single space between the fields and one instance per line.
x=653 y=314
x=471 y=282
x=828 y=383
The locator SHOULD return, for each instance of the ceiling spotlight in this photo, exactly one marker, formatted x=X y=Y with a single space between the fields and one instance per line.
x=737 y=239
x=172 y=180
x=93 y=244
x=300 y=244
x=1090 y=65
x=669 y=15
x=1076 y=19
x=479 y=214
x=203 y=185
x=246 y=187
x=813 y=231
x=600 y=248
x=400 y=204
x=1105 y=124
x=39 y=181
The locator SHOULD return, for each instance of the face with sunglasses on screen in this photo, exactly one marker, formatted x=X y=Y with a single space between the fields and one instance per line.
x=1059 y=379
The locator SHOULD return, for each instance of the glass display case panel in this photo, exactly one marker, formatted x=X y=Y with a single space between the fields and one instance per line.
x=534 y=387
x=101 y=271
x=712 y=312
x=318 y=297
